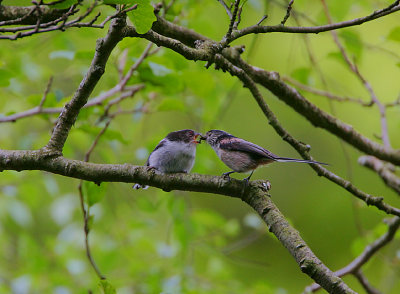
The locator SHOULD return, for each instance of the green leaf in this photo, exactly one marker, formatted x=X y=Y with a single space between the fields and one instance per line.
x=143 y=16
x=106 y=287
x=302 y=74
x=394 y=34
x=5 y=76
x=93 y=193
x=352 y=42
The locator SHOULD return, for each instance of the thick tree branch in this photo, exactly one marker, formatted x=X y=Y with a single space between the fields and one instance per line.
x=71 y=110
x=28 y=15
x=254 y=194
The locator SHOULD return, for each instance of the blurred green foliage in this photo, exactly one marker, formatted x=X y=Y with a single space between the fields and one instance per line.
x=150 y=241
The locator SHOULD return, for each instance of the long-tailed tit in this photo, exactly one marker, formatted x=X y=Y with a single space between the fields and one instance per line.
x=174 y=154
x=241 y=155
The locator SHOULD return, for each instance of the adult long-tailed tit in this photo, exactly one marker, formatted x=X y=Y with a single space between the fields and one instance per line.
x=241 y=155
x=174 y=154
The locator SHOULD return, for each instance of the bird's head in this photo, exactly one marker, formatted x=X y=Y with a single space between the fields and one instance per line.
x=212 y=136
x=184 y=136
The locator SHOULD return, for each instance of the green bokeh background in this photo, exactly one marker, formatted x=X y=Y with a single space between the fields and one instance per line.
x=152 y=241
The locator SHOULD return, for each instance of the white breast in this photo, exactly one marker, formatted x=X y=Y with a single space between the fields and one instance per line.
x=173 y=157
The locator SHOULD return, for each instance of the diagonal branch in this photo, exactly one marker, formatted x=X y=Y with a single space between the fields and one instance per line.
x=71 y=110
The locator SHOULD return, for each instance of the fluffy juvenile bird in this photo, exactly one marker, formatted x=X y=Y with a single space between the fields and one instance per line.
x=174 y=154
x=241 y=155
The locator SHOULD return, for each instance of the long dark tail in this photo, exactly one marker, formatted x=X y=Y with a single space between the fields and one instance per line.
x=287 y=159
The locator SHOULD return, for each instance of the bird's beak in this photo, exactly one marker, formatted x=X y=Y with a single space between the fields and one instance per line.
x=202 y=138
x=199 y=137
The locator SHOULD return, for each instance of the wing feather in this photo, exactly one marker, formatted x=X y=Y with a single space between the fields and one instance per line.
x=237 y=144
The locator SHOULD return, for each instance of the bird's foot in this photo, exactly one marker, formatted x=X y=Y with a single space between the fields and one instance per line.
x=227 y=175
x=150 y=168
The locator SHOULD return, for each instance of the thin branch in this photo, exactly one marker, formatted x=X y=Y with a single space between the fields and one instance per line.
x=86 y=218
x=288 y=10
x=226 y=40
x=20 y=15
x=364 y=282
x=256 y=29
x=324 y=93
x=228 y=11
x=354 y=68
x=384 y=170
x=367 y=254
x=262 y=19
x=96 y=101
x=394 y=103
x=46 y=92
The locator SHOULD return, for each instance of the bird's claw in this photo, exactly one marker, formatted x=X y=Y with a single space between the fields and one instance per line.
x=227 y=176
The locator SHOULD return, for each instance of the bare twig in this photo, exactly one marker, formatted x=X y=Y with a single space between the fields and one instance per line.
x=86 y=218
x=364 y=282
x=225 y=41
x=60 y=23
x=262 y=19
x=365 y=256
x=394 y=103
x=324 y=93
x=384 y=170
x=227 y=9
x=288 y=10
x=256 y=29
x=354 y=68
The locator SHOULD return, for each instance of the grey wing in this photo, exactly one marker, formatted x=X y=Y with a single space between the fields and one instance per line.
x=159 y=145
x=237 y=144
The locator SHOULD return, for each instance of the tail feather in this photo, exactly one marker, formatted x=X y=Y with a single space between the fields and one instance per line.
x=287 y=159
